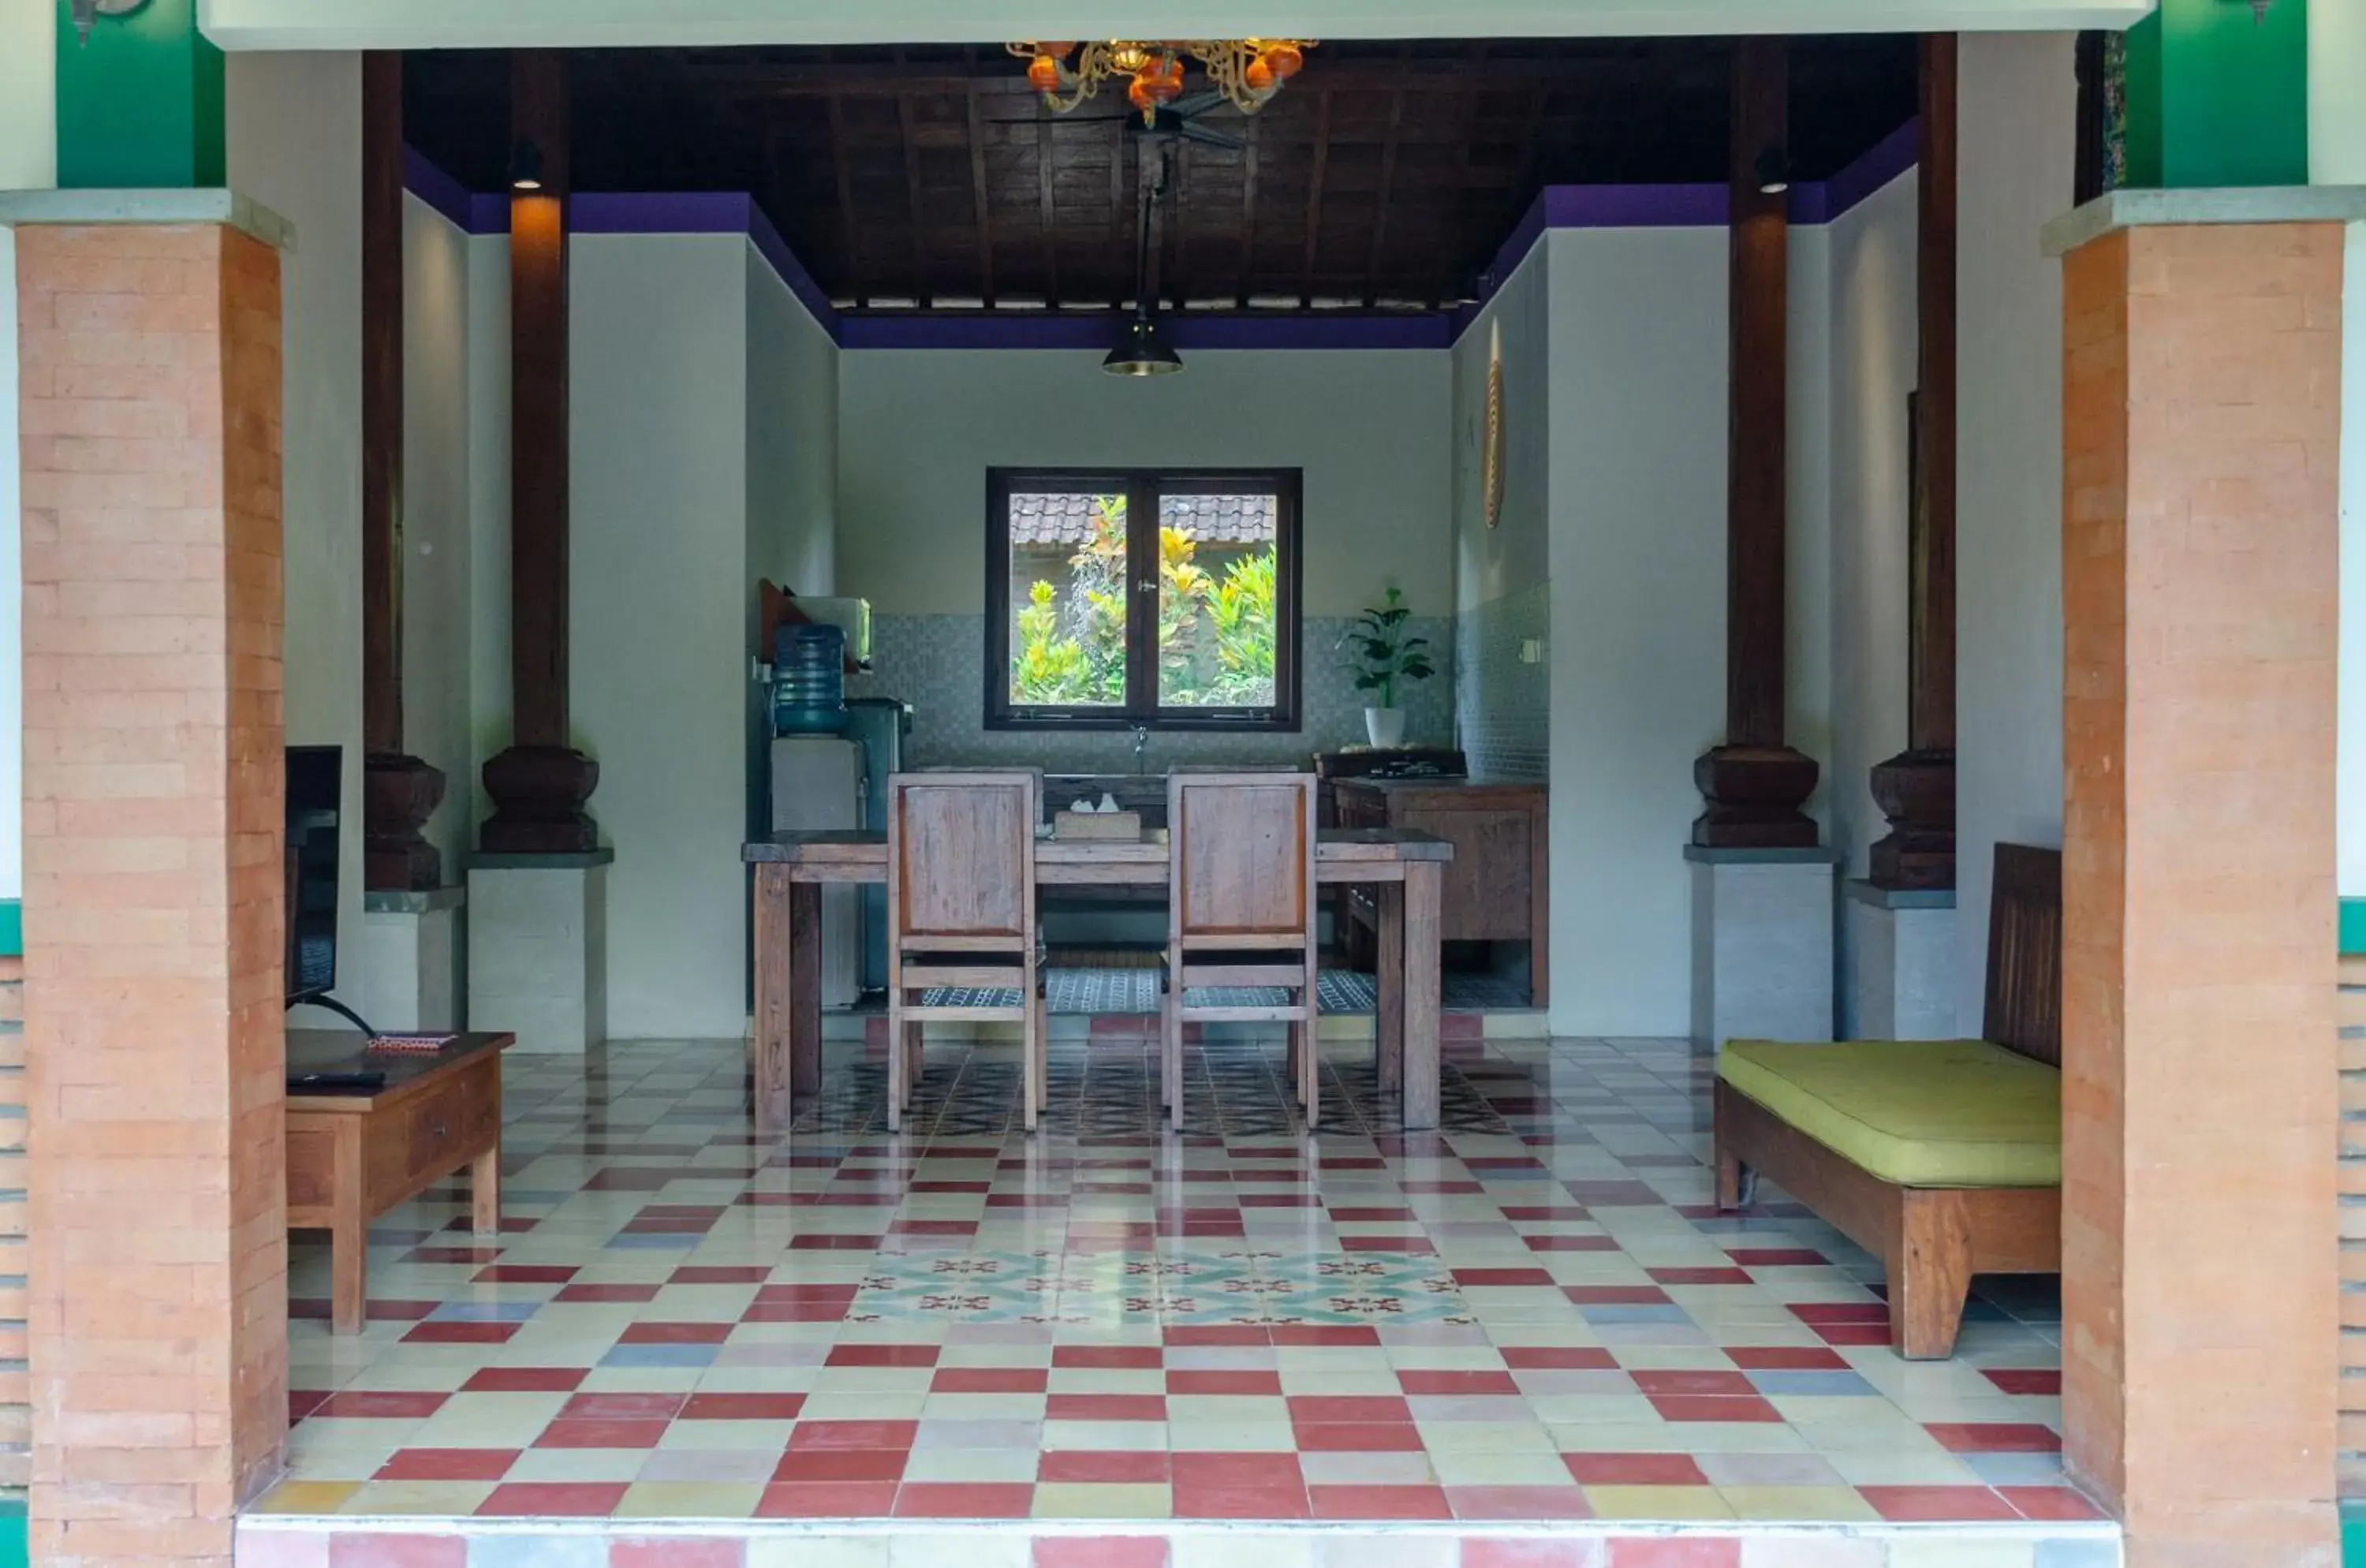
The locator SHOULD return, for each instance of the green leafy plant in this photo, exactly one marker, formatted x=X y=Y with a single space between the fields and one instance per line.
x=1383 y=655
x=1215 y=636
x=1240 y=611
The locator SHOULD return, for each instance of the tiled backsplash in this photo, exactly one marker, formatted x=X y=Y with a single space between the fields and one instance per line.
x=1503 y=706
x=938 y=664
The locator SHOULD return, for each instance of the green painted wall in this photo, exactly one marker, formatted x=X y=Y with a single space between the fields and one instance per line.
x=140 y=105
x=2217 y=96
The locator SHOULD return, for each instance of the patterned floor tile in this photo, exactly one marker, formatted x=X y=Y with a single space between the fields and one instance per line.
x=1529 y=1313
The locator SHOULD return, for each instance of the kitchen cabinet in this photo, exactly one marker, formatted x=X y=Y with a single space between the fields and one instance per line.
x=1495 y=884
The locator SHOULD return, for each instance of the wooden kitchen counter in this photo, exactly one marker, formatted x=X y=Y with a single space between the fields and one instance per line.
x=1494 y=886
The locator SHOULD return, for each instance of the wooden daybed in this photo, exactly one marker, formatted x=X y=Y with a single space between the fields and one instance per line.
x=1942 y=1158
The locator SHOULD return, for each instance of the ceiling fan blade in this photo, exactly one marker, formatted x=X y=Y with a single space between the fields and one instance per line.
x=1191 y=130
x=1196 y=103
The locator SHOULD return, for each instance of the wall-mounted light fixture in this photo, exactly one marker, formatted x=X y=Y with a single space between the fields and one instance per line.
x=1773 y=173
x=86 y=12
x=526 y=167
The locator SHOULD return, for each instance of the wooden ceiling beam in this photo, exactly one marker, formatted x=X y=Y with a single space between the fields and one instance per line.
x=848 y=228
x=1242 y=287
x=916 y=203
x=1315 y=196
x=981 y=198
x=1121 y=225
x=1450 y=283
x=1386 y=192
x=1047 y=215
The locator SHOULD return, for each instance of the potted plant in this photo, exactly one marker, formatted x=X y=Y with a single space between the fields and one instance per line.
x=1383 y=657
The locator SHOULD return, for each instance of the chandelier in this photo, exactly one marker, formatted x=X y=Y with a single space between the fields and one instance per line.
x=1246 y=72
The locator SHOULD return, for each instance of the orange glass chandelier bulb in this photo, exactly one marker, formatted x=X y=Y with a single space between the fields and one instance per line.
x=1043 y=74
x=1283 y=59
x=1259 y=77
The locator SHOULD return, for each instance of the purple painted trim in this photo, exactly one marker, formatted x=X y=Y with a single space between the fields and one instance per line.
x=775 y=250
x=1556 y=206
x=1191 y=332
x=1635 y=207
x=658 y=212
x=439 y=190
x=1881 y=163
x=703 y=212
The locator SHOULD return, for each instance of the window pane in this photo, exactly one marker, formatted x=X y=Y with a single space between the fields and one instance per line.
x=1067 y=600
x=1217 y=564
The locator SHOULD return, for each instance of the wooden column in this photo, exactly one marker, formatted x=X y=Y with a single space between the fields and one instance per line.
x=539 y=785
x=1915 y=789
x=398 y=791
x=1753 y=785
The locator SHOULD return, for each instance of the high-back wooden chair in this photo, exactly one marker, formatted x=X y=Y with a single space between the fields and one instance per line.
x=1242 y=915
x=961 y=915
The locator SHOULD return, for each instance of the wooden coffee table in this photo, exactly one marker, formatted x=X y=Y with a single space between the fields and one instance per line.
x=353 y=1155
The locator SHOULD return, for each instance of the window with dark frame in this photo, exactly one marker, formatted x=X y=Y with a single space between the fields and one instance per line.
x=1159 y=598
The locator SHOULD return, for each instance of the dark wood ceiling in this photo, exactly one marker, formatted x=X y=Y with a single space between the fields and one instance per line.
x=1384 y=175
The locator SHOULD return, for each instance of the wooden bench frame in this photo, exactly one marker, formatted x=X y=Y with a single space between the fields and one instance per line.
x=1931 y=1240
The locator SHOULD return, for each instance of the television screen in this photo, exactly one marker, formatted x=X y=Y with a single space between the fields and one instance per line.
x=315 y=777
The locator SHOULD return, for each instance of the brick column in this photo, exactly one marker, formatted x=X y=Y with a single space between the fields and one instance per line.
x=2200 y=364
x=153 y=773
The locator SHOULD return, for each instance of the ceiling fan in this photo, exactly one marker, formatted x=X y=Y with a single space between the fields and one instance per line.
x=1178 y=121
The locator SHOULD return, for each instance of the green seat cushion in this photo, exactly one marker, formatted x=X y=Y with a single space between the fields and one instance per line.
x=1916 y=1113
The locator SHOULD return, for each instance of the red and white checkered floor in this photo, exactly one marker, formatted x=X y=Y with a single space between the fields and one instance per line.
x=1528 y=1321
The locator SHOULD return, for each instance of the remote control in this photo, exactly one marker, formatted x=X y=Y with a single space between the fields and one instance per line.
x=327 y=1081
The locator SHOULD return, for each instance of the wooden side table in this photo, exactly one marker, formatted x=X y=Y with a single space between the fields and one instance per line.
x=351 y=1155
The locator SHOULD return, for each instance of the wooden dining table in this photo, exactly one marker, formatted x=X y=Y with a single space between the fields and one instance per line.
x=1405 y=866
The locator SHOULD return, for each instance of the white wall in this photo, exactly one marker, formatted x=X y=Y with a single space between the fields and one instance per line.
x=294 y=134
x=28 y=161
x=489 y=508
x=1489 y=563
x=2018 y=103
x=658 y=436
x=792 y=437
x=12 y=589
x=436 y=623
x=2337 y=156
x=918 y=429
x=28 y=97
x=1808 y=716
x=1636 y=558
x=1872 y=370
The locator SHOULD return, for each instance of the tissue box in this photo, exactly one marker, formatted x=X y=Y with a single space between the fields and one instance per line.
x=1125 y=825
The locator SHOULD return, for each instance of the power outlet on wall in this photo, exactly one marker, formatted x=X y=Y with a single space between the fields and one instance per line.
x=1532 y=650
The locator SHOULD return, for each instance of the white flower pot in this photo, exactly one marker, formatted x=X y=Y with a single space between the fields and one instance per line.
x=1385 y=726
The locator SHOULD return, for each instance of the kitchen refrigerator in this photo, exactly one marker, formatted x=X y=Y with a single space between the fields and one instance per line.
x=818 y=784
x=880 y=724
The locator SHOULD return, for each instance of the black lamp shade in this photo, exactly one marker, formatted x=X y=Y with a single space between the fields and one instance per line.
x=1142 y=352
x=526 y=167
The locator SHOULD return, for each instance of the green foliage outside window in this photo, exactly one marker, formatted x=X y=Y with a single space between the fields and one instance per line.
x=1215 y=633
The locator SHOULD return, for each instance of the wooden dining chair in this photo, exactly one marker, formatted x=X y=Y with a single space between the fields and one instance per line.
x=960 y=916
x=1241 y=915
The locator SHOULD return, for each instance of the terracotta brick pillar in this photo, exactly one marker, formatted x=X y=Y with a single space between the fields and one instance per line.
x=153 y=773
x=2200 y=367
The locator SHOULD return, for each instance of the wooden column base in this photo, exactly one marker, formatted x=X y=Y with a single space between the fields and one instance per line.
x=1916 y=790
x=1751 y=796
x=539 y=795
x=399 y=795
